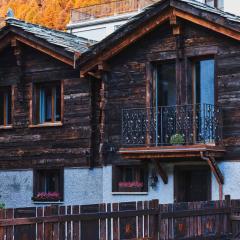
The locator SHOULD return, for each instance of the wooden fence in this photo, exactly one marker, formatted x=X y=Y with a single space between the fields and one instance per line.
x=120 y=221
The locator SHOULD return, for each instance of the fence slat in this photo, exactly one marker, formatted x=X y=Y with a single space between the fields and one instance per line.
x=62 y=225
x=76 y=224
x=40 y=229
x=118 y=221
x=2 y=229
x=103 y=223
x=9 y=230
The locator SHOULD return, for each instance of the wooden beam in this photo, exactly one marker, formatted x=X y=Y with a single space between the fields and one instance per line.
x=207 y=24
x=45 y=50
x=103 y=66
x=214 y=167
x=133 y=37
x=161 y=171
x=171 y=14
x=95 y=74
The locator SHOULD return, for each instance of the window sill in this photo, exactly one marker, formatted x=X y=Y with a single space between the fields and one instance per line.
x=129 y=193
x=55 y=124
x=6 y=127
x=47 y=202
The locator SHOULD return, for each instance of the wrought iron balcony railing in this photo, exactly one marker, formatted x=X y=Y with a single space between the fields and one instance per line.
x=172 y=125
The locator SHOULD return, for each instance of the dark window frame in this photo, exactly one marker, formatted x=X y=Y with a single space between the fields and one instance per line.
x=117 y=176
x=7 y=113
x=36 y=184
x=35 y=103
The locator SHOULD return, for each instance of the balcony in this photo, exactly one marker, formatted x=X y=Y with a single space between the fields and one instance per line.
x=108 y=9
x=172 y=131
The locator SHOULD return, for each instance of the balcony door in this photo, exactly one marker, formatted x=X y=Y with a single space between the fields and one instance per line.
x=164 y=100
x=204 y=100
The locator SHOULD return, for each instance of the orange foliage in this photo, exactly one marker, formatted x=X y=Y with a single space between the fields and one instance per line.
x=50 y=13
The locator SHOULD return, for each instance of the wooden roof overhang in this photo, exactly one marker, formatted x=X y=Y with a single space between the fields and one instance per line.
x=168 y=11
x=12 y=36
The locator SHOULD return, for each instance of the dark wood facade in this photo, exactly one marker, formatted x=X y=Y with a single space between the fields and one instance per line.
x=127 y=78
x=125 y=63
x=25 y=145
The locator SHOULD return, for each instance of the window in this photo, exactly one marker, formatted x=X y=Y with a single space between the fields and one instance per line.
x=48 y=185
x=130 y=179
x=5 y=106
x=47 y=103
x=204 y=77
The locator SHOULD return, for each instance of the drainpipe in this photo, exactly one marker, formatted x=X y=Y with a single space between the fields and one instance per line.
x=205 y=158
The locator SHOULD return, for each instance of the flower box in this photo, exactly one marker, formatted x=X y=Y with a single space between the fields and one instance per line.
x=47 y=197
x=130 y=186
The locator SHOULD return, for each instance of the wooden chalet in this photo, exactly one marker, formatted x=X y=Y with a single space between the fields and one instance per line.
x=41 y=126
x=168 y=93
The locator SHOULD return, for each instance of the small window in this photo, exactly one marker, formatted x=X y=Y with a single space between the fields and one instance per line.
x=130 y=179
x=47 y=103
x=48 y=185
x=5 y=106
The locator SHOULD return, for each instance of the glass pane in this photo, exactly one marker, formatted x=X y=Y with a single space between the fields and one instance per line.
x=9 y=107
x=1 y=108
x=166 y=85
x=204 y=83
x=58 y=103
x=48 y=104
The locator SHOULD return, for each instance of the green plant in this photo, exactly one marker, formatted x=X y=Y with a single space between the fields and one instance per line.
x=177 y=139
x=2 y=205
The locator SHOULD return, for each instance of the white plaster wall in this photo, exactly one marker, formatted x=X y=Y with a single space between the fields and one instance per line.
x=16 y=188
x=231 y=173
x=232 y=6
x=99 y=28
x=163 y=192
x=83 y=186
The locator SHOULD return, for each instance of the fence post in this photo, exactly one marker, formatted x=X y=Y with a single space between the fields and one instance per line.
x=229 y=221
x=155 y=205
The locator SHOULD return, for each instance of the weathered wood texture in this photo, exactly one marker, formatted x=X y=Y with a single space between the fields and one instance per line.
x=66 y=145
x=118 y=221
x=128 y=76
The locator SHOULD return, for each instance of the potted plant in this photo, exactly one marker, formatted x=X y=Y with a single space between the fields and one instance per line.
x=50 y=196
x=130 y=186
x=177 y=139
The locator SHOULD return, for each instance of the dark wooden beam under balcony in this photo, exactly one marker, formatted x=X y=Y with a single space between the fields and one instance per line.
x=172 y=152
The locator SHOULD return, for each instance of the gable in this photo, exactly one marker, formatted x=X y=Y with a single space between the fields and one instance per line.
x=24 y=60
x=158 y=14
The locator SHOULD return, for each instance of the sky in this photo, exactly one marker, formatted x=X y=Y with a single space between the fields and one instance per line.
x=232 y=6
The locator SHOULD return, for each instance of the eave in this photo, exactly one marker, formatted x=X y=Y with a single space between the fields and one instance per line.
x=11 y=34
x=113 y=45
x=172 y=152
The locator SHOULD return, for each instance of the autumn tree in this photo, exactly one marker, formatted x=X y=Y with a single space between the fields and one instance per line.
x=51 y=13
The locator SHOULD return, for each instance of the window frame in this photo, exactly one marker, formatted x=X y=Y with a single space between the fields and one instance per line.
x=36 y=184
x=117 y=176
x=33 y=113
x=5 y=124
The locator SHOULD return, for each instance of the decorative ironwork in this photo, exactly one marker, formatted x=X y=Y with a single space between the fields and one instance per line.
x=199 y=123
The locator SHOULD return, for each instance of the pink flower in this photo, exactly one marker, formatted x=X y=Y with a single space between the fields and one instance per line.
x=130 y=184
x=49 y=195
